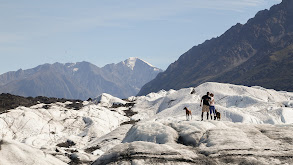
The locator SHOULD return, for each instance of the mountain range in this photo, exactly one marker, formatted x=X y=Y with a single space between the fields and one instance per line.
x=79 y=80
x=259 y=52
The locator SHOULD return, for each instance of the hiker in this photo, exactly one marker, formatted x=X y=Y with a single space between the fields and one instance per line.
x=206 y=105
x=188 y=113
x=212 y=106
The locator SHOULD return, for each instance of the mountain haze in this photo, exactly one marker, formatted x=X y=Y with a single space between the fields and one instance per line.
x=259 y=52
x=79 y=80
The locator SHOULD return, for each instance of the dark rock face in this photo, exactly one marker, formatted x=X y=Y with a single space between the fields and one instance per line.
x=259 y=52
x=9 y=102
x=79 y=81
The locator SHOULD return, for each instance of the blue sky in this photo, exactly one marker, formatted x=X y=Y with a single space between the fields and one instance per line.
x=34 y=32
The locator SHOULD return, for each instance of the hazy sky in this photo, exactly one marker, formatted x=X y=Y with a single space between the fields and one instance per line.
x=34 y=32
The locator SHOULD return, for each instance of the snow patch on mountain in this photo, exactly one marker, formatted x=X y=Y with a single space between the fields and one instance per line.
x=70 y=65
x=131 y=63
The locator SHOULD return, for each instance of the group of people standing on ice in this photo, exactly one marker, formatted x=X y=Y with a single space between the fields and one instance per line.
x=208 y=104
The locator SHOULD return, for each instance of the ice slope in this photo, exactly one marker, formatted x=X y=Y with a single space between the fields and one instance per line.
x=236 y=103
x=256 y=128
x=41 y=127
x=12 y=152
x=53 y=129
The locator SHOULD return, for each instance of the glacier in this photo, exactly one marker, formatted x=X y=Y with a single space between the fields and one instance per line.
x=256 y=127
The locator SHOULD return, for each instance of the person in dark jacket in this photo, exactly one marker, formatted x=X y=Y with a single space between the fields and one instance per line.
x=205 y=100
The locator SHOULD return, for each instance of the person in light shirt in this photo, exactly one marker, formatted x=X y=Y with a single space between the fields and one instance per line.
x=212 y=106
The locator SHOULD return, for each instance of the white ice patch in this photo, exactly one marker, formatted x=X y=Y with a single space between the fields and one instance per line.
x=107 y=100
x=151 y=131
x=287 y=115
x=13 y=152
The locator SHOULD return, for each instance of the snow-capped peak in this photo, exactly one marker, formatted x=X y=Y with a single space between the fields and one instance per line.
x=131 y=62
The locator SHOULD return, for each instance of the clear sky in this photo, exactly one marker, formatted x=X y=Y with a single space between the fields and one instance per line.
x=34 y=32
